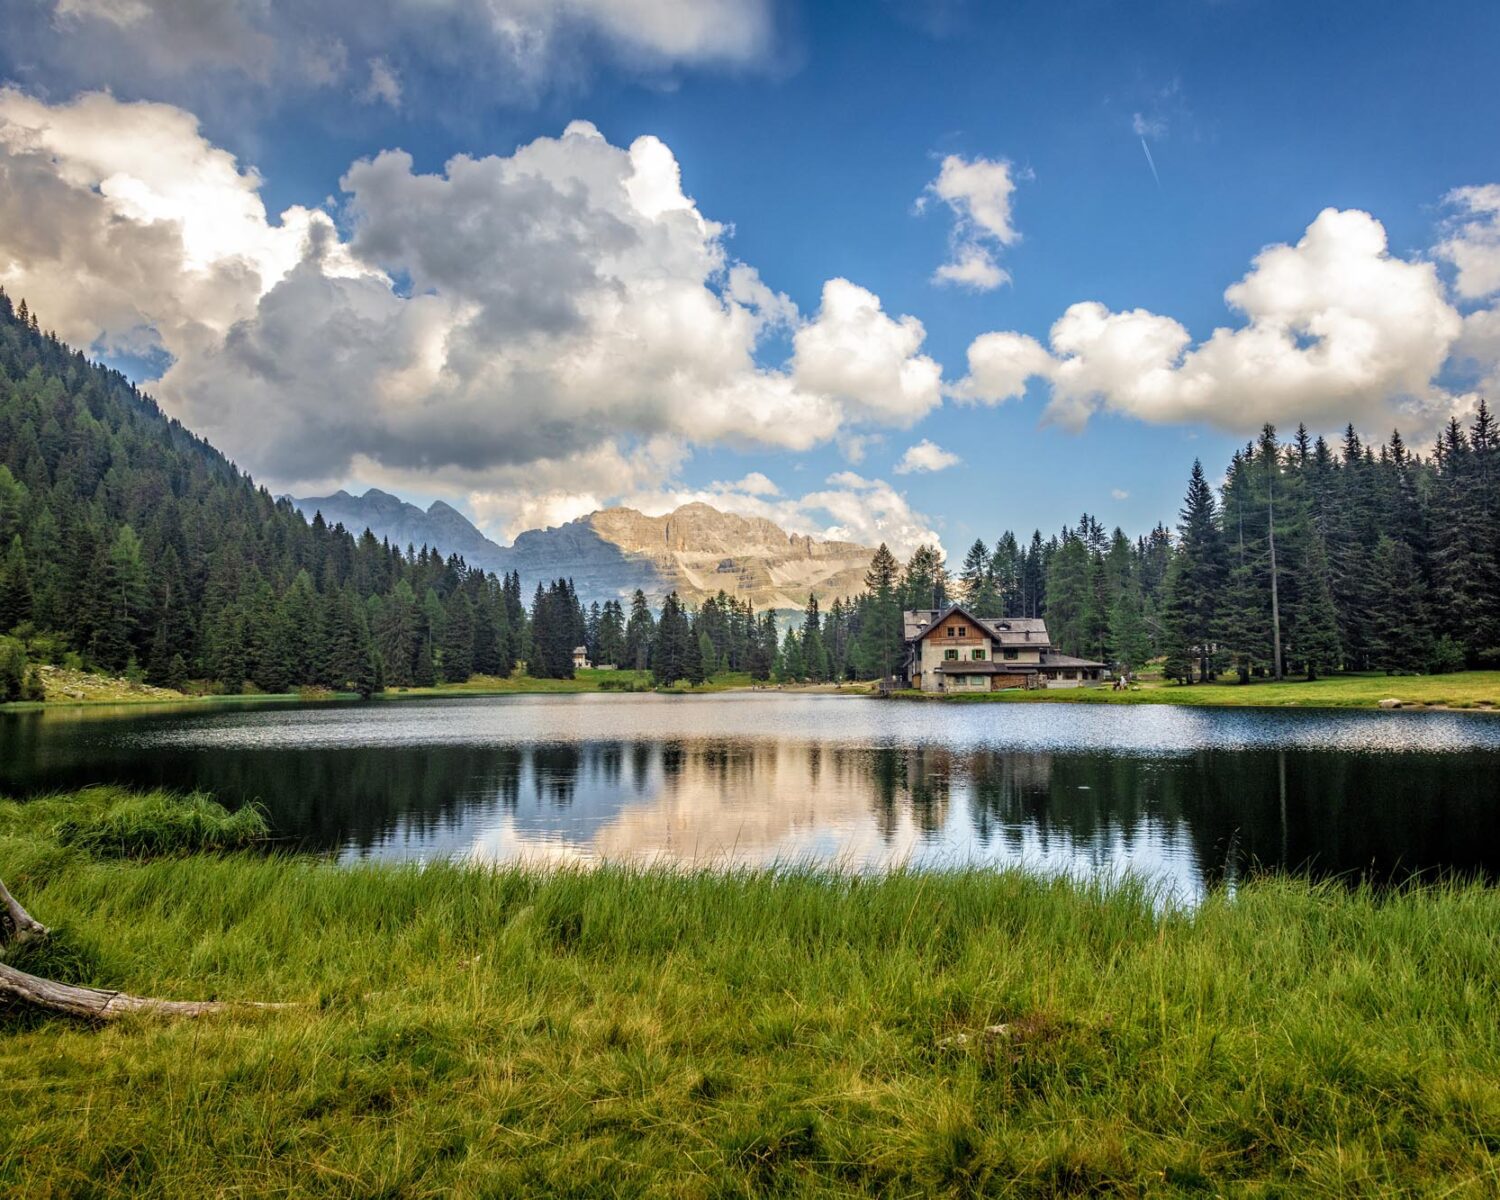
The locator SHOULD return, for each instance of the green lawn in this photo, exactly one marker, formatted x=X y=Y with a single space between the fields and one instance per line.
x=1462 y=689
x=583 y=681
x=107 y=690
x=500 y=1033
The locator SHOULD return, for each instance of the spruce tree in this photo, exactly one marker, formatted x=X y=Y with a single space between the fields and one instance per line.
x=791 y=668
x=640 y=633
x=424 y=671
x=1190 y=616
x=1400 y=639
x=880 y=623
x=1070 y=597
x=1127 y=630
x=924 y=583
x=458 y=638
x=814 y=655
x=976 y=581
x=1316 y=634
x=15 y=586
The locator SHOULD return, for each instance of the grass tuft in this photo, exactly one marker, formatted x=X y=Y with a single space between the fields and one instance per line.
x=113 y=823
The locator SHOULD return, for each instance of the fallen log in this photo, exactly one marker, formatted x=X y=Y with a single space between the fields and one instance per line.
x=95 y=1004
x=89 y=1004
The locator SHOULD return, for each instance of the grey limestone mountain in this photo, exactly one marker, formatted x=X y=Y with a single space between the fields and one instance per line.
x=695 y=550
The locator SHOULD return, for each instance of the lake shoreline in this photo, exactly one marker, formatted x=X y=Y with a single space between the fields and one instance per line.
x=1422 y=693
x=463 y=1028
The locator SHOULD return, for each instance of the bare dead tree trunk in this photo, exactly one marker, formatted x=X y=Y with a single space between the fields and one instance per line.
x=22 y=926
x=90 y=1004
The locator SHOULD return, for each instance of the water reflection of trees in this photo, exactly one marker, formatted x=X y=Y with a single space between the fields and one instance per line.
x=1376 y=816
x=1325 y=813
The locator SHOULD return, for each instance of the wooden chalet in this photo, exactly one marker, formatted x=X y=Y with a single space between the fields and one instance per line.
x=953 y=650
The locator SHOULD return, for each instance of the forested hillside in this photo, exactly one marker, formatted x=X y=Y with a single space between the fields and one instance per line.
x=1356 y=558
x=139 y=547
x=134 y=546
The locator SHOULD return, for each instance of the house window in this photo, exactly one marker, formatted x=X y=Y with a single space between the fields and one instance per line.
x=953 y=631
x=1010 y=654
x=977 y=655
x=963 y=631
x=950 y=655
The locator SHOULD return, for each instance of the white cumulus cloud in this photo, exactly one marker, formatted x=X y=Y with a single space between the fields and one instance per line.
x=1472 y=243
x=926 y=456
x=567 y=303
x=978 y=195
x=859 y=356
x=1335 y=328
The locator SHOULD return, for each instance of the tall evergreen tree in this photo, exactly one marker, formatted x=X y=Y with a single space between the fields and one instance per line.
x=1191 y=611
x=1400 y=639
x=640 y=633
x=880 y=641
x=458 y=638
x=15 y=586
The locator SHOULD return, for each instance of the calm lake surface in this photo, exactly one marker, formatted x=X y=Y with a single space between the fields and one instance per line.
x=1183 y=796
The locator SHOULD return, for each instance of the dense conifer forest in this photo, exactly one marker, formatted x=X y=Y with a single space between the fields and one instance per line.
x=129 y=545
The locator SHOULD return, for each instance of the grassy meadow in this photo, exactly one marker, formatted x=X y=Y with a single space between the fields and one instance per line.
x=69 y=688
x=473 y=1032
x=1462 y=689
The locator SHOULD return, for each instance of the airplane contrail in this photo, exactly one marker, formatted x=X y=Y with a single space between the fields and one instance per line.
x=1151 y=162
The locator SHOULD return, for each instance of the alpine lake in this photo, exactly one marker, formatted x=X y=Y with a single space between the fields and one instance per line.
x=1185 y=798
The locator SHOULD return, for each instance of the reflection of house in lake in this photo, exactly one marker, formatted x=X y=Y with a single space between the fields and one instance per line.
x=953 y=650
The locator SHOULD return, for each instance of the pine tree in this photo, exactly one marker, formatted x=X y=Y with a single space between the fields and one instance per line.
x=1179 y=651
x=1400 y=639
x=396 y=634
x=1127 y=630
x=458 y=638
x=1190 y=613
x=924 y=583
x=814 y=654
x=1316 y=638
x=675 y=646
x=488 y=644
x=791 y=668
x=881 y=637
x=1070 y=596
x=640 y=633
x=763 y=648
x=424 y=670
x=977 y=585
x=15 y=586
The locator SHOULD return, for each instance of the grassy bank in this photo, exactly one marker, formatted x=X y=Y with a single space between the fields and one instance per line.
x=473 y=1032
x=78 y=688
x=592 y=680
x=1461 y=690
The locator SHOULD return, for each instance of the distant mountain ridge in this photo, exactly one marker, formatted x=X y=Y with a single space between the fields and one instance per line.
x=404 y=524
x=695 y=550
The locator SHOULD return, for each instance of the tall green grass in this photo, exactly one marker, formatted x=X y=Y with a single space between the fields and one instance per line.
x=113 y=821
x=463 y=1031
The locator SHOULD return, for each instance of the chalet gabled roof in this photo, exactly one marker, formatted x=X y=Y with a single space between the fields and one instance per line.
x=942 y=614
x=1015 y=631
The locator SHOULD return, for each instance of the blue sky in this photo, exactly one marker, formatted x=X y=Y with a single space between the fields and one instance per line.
x=813 y=136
